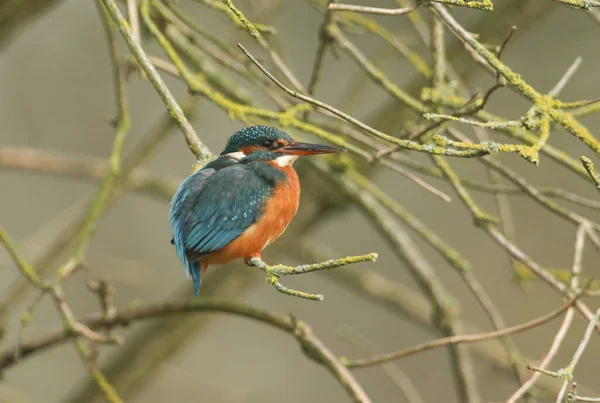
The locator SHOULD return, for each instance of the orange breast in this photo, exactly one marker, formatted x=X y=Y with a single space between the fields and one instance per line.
x=279 y=212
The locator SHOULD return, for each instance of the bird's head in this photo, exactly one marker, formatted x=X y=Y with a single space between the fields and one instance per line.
x=271 y=144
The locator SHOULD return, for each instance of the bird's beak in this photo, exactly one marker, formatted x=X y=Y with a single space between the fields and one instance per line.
x=309 y=149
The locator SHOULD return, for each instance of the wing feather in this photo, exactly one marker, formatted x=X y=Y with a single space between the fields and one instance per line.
x=213 y=206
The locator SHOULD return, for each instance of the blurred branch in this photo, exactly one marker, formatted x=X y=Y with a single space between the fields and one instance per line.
x=324 y=42
x=582 y=4
x=194 y=143
x=399 y=378
x=72 y=327
x=141 y=357
x=140 y=180
x=144 y=151
x=403 y=300
x=16 y=15
x=228 y=9
x=275 y=58
x=459 y=339
x=123 y=126
x=438 y=50
x=311 y=345
x=446 y=315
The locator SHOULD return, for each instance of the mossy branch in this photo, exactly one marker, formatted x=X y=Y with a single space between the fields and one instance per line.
x=194 y=143
x=589 y=167
x=276 y=271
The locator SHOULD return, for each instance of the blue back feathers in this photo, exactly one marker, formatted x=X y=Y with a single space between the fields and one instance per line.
x=215 y=204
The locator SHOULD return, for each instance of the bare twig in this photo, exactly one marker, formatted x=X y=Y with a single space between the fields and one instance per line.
x=566 y=323
x=374 y=10
x=566 y=77
x=403 y=382
x=134 y=20
x=473 y=338
x=566 y=374
x=582 y=4
x=574 y=397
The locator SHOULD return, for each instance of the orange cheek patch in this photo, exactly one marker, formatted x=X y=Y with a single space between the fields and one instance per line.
x=249 y=149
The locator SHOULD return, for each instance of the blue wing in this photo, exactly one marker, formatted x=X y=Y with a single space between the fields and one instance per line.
x=212 y=207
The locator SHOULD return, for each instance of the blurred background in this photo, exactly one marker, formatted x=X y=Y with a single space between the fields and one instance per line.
x=57 y=95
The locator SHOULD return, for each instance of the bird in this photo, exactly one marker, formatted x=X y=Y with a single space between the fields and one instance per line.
x=240 y=202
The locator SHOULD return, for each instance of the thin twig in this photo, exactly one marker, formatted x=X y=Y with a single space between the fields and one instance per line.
x=471 y=338
x=566 y=323
x=558 y=87
x=402 y=381
x=582 y=4
x=134 y=20
x=374 y=10
x=567 y=373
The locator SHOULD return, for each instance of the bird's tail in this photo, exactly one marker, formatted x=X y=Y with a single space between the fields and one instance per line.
x=196 y=276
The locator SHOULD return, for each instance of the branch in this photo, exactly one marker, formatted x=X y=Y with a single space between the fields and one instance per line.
x=582 y=4
x=71 y=326
x=568 y=319
x=545 y=103
x=589 y=167
x=471 y=338
x=574 y=397
x=274 y=272
x=374 y=10
x=566 y=374
x=409 y=145
x=484 y=5
x=194 y=143
x=275 y=58
x=446 y=318
x=123 y=126
x=311 y=345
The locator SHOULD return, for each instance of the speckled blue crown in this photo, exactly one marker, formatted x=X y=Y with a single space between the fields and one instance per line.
x=254 y=135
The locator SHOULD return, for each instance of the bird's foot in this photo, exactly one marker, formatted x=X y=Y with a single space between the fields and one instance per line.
x=254 y=255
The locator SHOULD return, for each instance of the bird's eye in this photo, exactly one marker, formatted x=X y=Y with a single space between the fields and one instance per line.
x=267 y=143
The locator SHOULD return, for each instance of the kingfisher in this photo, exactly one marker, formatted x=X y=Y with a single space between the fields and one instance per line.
x=240 y=202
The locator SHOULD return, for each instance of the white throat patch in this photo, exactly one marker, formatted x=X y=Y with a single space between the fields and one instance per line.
x=286 y=160
x=237 y=155
x=283 y=161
